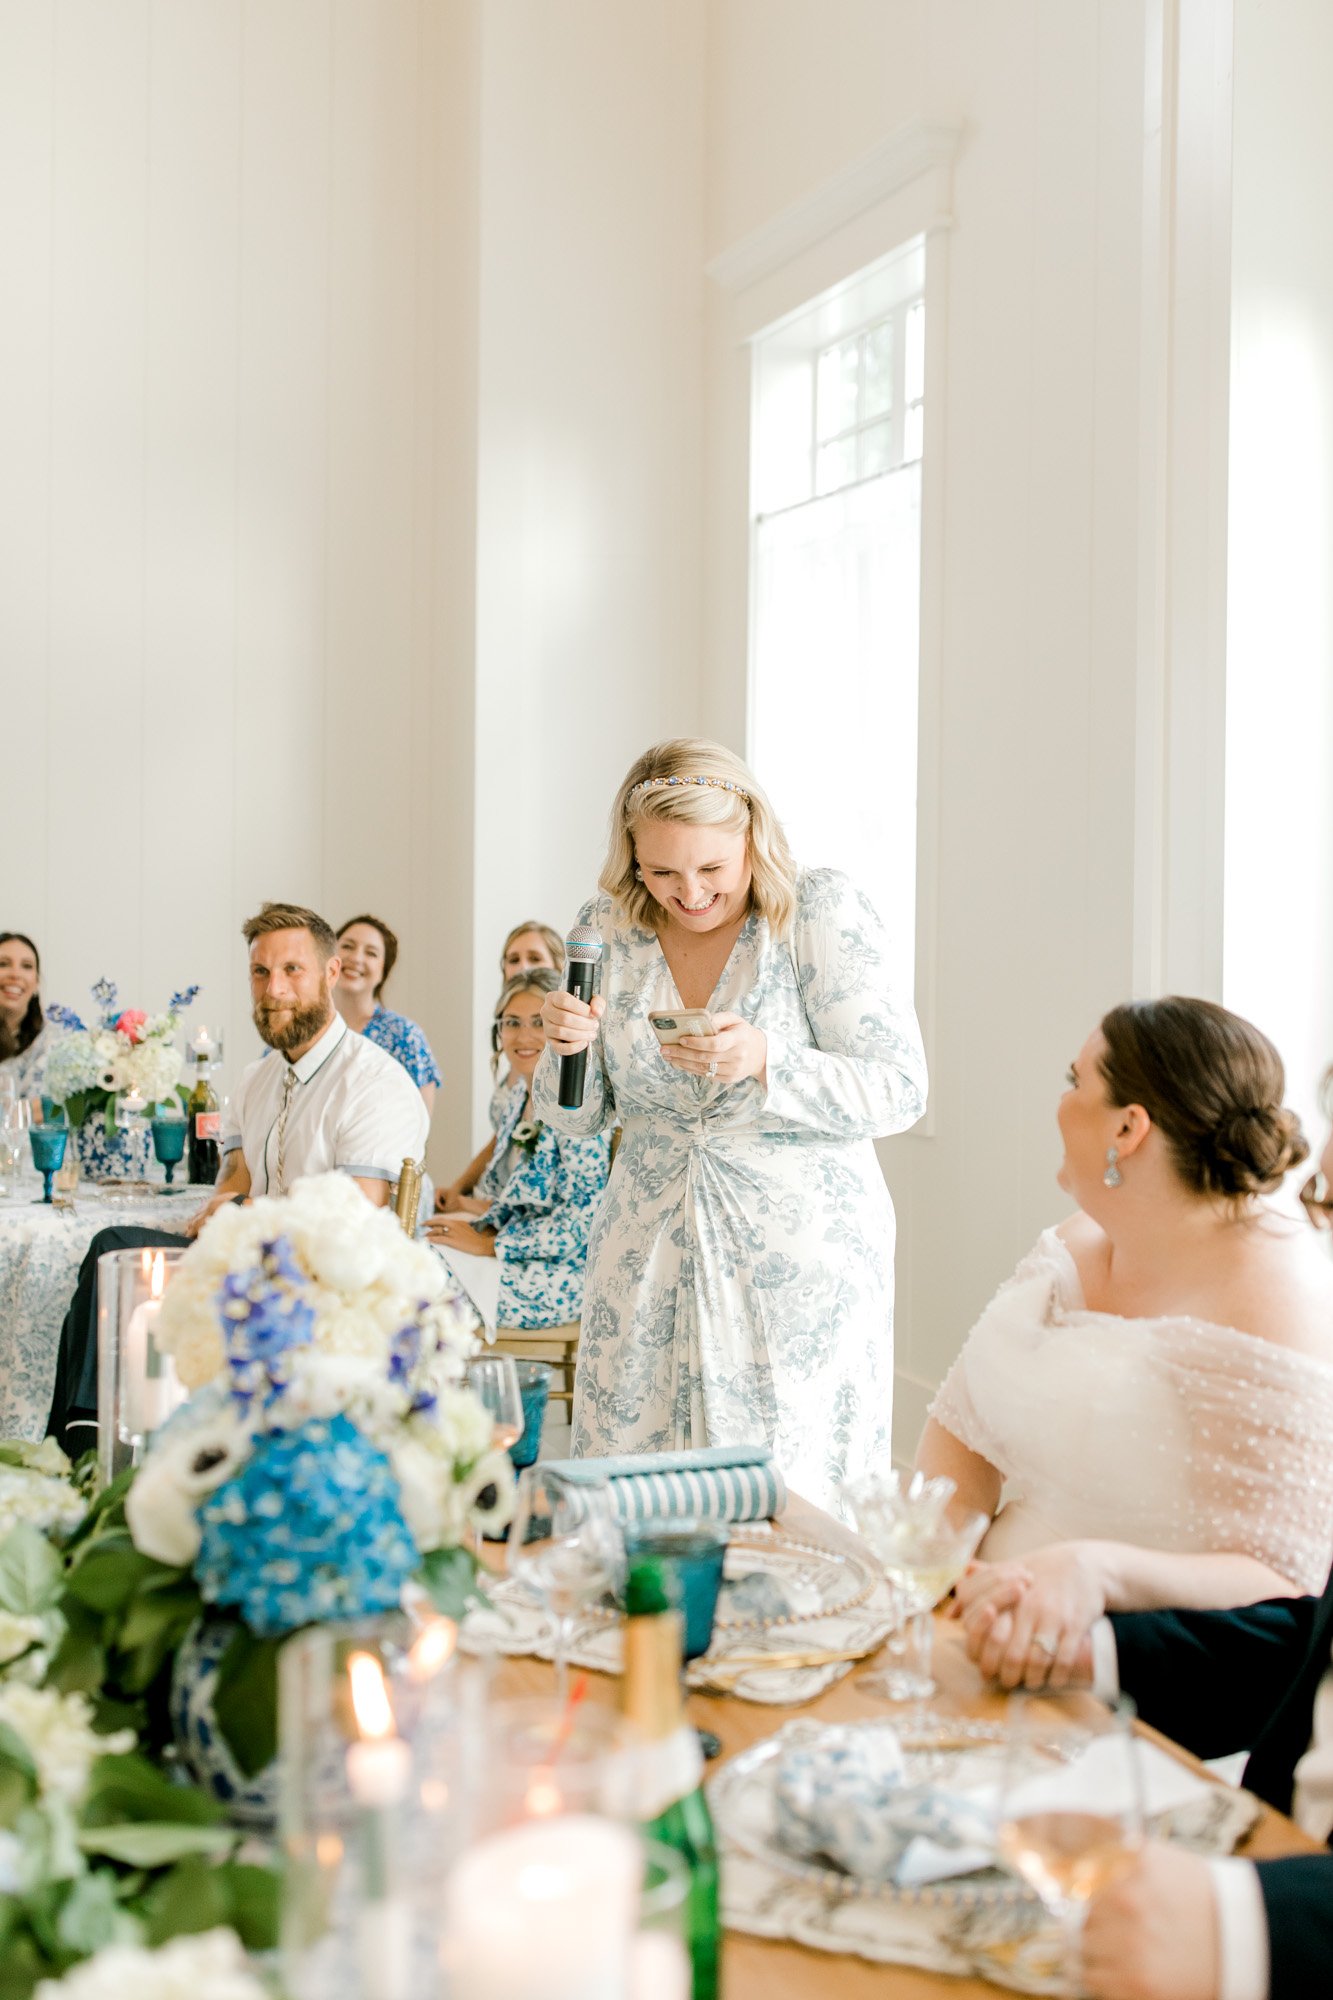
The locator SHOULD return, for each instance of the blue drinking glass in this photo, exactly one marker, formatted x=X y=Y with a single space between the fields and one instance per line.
x=691 y=1554
x=48 y=1144
x=169 y=1142
x=534 y=1385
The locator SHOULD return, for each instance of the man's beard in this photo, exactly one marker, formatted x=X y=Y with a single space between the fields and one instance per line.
x=301 y=1026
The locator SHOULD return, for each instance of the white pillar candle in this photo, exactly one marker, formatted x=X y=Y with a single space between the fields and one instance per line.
x=659 y=1967
x=379 y=1777
x=544 y=1911
x=150 y=1386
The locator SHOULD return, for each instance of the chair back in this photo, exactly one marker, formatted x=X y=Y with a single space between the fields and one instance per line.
x=407 y=1199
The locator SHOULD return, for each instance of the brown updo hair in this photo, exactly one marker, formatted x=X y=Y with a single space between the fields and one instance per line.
x=1212 y=1085
x=388 y=940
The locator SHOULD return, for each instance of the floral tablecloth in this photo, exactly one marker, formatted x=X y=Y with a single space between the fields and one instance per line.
x=40 y=1252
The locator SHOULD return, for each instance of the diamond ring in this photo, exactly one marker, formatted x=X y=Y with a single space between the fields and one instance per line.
x=712 y=1068
x=1043 y=1643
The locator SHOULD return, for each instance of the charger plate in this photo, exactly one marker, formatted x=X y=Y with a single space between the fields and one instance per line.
x=782 y=1594
x=957 y=1755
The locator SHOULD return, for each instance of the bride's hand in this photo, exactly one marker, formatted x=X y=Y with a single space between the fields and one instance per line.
x=1034 y=1633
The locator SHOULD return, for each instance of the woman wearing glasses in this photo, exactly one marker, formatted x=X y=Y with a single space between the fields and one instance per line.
x=1146 y=1407
x=514 y=1226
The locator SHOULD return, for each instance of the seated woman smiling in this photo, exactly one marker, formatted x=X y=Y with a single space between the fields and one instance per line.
x=531 y=1194
x=1146 y=1407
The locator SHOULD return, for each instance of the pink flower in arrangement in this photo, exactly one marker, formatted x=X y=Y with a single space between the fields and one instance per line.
x=131 y=1024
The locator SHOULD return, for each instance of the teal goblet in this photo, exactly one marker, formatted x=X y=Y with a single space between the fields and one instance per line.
x=48 y=1144
x=169 y=1143
x=691 y=1555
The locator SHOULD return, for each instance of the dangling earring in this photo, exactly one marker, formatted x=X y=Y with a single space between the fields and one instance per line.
x=1113 y=1176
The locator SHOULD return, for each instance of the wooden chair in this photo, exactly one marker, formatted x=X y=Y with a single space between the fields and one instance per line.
x=556 y=1345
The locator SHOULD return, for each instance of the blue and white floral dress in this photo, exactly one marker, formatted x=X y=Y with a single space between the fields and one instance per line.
x=27 y=1070
x=543 y=1194
x=740 y=1276
x=406 y=1043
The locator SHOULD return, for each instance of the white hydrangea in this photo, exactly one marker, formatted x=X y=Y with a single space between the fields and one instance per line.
x=18 y=1632
x=49 y=1504
x=369 y=1279
x=71 y=1066
x=208 y=1966
x=58 y=1734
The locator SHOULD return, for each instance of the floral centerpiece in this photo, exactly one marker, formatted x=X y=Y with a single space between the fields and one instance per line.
x=328 y=1460
x=88 y=1069
x=99 y=1851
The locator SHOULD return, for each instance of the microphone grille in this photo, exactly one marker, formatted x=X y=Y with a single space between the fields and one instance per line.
x=583 y=945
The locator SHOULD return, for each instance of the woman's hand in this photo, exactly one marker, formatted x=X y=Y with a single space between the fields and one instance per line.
x=452 y=1201
x=1029 y=1623
x=571 y=1024
x=456 y=1234
x=735 y=1051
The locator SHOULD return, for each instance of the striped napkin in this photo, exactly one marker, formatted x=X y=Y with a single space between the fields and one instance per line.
x=721 y=1482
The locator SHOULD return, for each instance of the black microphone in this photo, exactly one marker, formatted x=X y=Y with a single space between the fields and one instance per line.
x=583 y=948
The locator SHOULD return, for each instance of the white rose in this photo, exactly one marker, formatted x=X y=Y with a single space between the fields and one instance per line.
x=183 y=1466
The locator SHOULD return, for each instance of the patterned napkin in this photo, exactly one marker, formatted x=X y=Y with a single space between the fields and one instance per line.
x=717 y=1483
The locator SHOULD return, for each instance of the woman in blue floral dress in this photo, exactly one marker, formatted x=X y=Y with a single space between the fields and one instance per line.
x=740 y=1276
x=369 y=950
x=534 y=1192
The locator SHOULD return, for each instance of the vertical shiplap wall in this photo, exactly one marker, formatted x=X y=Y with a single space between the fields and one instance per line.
x=235 y=338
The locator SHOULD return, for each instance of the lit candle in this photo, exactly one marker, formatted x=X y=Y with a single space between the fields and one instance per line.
x=150 y=1386
x=548 y=1908
x=659 y=1967
x=201 y=1045
x=379 y=1773
x=133 y=1104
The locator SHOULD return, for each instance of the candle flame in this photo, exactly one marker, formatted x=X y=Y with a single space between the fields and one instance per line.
x=370 y=1697
x=158 y=1279
x=433 y=1645
x=543 y=1800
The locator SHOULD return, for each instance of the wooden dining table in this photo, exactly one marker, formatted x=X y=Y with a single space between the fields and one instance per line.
x=765 y=1969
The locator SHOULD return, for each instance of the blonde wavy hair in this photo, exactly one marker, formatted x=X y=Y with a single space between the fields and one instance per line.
x=745 y=810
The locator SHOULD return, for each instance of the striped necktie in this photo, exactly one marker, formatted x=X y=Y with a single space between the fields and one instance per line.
x=288 y=1086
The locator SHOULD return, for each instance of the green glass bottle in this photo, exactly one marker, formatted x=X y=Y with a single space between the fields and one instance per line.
x=673 y=1807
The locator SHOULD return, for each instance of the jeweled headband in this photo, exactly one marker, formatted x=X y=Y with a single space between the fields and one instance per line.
x=660 y=784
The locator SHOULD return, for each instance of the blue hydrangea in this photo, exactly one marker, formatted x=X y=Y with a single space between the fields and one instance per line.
x=309 y=1529
x=265 y=1313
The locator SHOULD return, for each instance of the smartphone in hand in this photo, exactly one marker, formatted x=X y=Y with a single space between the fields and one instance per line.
x=669 y=1026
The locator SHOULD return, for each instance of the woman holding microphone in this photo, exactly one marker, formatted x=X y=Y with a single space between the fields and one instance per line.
x=740 y=1273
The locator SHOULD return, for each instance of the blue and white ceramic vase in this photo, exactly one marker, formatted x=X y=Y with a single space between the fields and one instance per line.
x=194 y=1724
x=124 y=1155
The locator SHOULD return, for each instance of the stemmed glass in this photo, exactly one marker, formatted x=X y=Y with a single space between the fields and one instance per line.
x=1071 y=1806
x=48 y=1144
x=924 y=1550
x=565 y=1543
x=13 y=1124
x=169 y=1135
x=493 y=1380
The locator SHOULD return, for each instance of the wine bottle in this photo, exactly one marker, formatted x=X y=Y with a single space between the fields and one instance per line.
x=205 y=1135
x=671 y=1801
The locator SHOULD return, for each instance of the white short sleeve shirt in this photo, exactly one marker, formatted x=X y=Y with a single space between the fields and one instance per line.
x=353 y=1107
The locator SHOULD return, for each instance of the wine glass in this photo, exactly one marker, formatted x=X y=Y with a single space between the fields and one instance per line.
x=1071 y=1805
x=493 y=1380
x=48 y=1144
x=13 y=1126
x=565 y=1544
x=923 y=1550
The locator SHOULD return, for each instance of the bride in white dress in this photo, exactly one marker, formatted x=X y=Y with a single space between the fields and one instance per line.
x=1146 y=1407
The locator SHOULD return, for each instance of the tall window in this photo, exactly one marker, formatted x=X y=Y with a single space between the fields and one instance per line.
x=838 y=433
